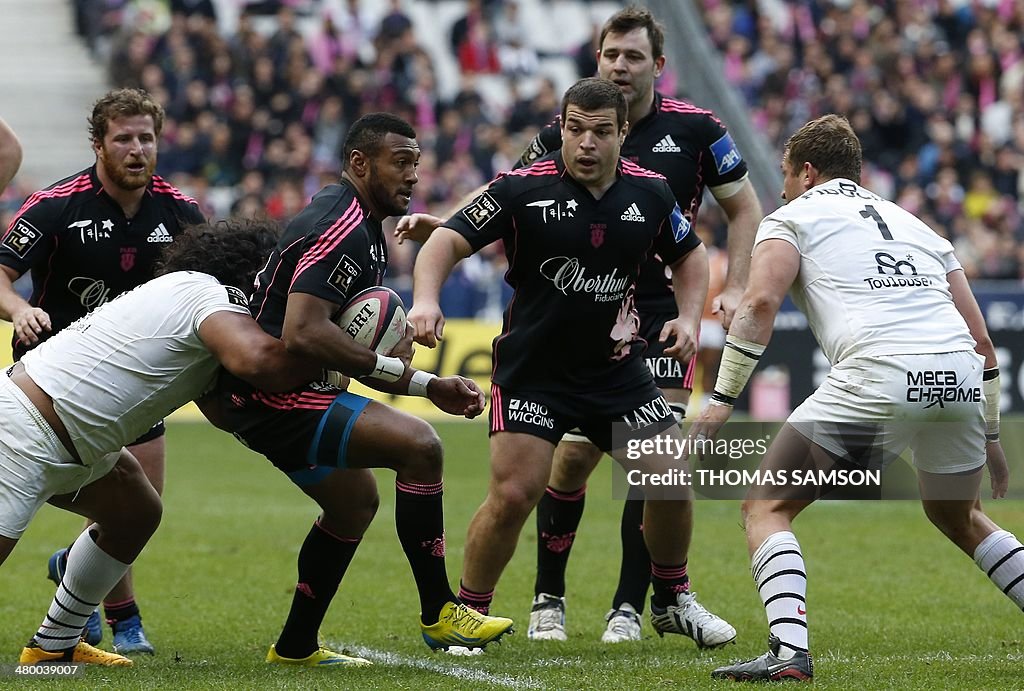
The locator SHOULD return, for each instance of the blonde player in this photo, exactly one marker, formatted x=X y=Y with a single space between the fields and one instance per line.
x=912 y=365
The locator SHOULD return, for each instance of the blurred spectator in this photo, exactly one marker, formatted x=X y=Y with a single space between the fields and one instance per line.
x=203 y=8
x=516 y=55
x=477 y=52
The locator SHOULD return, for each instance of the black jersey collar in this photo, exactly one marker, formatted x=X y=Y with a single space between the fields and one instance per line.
x=655 y=109
x=97 y=185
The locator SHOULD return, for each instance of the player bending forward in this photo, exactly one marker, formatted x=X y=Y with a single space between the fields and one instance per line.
x=823 y=246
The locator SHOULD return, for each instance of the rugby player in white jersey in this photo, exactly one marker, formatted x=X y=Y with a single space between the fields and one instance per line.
x=912 y=366
x=71 y=404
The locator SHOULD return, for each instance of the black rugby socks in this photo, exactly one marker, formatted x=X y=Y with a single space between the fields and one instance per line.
x=419 y=521
x=323 y=560
x=558 y=517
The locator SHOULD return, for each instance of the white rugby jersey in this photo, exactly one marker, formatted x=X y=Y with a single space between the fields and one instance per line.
x=872 y=277
x=117 y=371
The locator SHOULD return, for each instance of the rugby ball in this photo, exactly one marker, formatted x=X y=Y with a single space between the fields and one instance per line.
x=374 y=318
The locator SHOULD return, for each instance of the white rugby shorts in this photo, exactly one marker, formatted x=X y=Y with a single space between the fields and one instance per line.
x=34 y=465
x=932 y=403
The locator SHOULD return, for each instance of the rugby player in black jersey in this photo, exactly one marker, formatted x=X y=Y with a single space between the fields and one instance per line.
x=86 y=240
x=693 y=150
x=576 y=228
x=326 y=439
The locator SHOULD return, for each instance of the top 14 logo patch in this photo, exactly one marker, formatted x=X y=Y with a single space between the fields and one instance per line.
x=481 y=210
x=21 y=238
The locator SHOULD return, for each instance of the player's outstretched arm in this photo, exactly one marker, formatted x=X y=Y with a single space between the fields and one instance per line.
x=251 y=354
x=10 y=154
x=690 y=286
x=434 y=264
x=968 y=308
x=772 y=271
x=457 y=395
x=995 y=458
x=744 y=212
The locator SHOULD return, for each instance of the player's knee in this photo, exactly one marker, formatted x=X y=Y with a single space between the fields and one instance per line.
x=754 y=510
x=515 y=500
x=954 y=522
x=573 y=465
x=355 y=516
x=364 y=513
x=149 y=515
x=746 y=509
x=135 y=521
x=424 y=454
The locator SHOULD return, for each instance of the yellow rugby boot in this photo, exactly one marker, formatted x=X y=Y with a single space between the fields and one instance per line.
x=320 y=658
x=32 y=654
x=459 y=625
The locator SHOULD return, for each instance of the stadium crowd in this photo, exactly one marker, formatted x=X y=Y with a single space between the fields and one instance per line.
x=933 y=88
x=257 y=113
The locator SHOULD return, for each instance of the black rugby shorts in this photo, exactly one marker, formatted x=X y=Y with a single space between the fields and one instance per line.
x=608 y=418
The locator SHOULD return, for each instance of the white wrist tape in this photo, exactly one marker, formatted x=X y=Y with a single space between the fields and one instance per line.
x=419 y=381
x=739 y=357
x=990 y=386
x=389 y=369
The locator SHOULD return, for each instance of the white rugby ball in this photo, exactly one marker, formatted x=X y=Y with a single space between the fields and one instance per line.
x=375 y=318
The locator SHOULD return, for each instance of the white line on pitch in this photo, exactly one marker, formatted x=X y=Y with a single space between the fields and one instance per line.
x=451 y=670
x=830 y=657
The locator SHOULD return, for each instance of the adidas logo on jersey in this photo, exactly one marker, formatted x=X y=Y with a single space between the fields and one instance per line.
x=632 y=214
x=666 y=146
x=160 y=234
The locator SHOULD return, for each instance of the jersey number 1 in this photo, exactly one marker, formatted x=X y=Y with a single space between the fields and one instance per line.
x=869 y=212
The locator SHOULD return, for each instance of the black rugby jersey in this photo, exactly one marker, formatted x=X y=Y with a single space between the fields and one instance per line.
x=81 y=249
x=690 y=147
x=573 y=264
x=332 y=249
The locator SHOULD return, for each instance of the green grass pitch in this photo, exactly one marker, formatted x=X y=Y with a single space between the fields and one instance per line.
x=892 y=604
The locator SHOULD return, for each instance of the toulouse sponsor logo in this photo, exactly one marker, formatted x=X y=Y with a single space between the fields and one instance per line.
x=570 y=276
x=896 y=273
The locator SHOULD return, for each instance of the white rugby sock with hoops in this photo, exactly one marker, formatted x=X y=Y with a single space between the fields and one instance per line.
x=89 y=576
x=1001 y=556
x=778 y=570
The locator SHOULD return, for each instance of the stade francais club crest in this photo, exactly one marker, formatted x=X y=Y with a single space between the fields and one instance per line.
x=128 y=258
